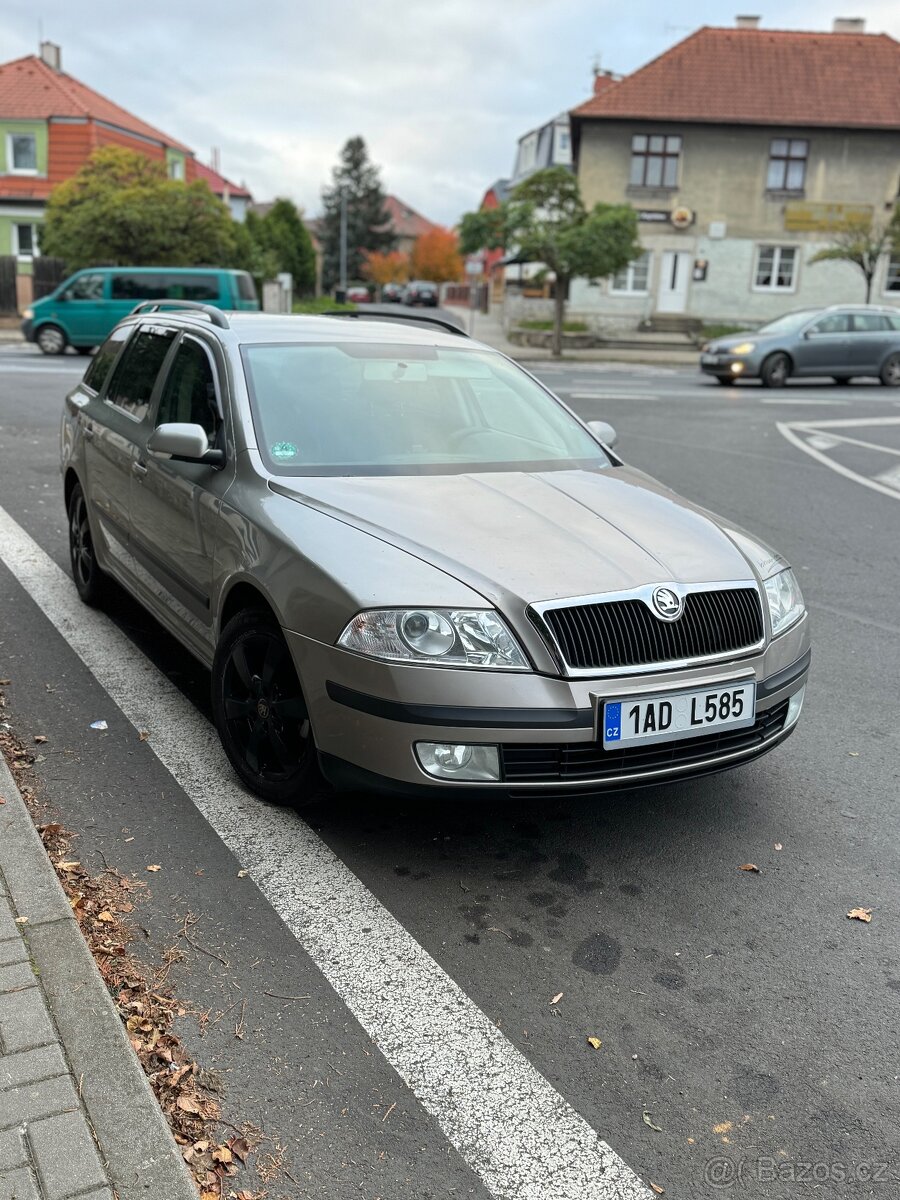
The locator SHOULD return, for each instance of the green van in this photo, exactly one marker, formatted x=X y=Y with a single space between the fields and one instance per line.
x=83 y=309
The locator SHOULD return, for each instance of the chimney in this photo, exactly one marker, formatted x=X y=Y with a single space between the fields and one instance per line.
x=849 y=25
x=747 y=22
x=604 y=80
x=51 y=55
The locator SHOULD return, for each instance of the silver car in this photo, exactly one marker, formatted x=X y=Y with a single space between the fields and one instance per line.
x=842 y=342
x=409 y=565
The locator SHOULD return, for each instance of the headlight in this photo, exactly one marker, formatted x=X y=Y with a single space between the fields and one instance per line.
x=785 y=601
x=449 y=637
x=744 y=348
x=28 y=314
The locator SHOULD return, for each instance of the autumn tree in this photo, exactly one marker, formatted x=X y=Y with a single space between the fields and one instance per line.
x=862 y=241
x=122 y=208
x=436 y=256
x=368 y=221
x=545 y=221
x=392 y=267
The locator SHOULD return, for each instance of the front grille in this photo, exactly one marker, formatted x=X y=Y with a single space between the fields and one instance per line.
x=627 y=633
x=568 y=763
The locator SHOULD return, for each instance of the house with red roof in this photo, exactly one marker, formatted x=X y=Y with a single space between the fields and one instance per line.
x=407 y=225
x=234 y=195
x=743 y=150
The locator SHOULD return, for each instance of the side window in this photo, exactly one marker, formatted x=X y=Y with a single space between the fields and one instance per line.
x=870 y=323
x=191 y=287
x=132 y=384
x=101 y=363
x=246 y=287
x=190 y=392
x=86 y=287
x=833 y=323
x=138 y=287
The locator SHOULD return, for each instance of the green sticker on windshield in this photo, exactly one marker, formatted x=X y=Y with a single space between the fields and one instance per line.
x=284 y=450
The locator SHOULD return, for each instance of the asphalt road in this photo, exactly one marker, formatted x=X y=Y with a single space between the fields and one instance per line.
x=748 y=1028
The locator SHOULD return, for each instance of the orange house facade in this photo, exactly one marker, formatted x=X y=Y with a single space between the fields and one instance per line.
x=50 y=124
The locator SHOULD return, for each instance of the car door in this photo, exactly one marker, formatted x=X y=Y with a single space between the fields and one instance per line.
x=871 y=337
x=114 y=434
x=176 y=505
x=824 y=348
x=81 y=309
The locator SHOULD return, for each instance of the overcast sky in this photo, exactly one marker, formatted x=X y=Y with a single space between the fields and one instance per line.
x=439 y=89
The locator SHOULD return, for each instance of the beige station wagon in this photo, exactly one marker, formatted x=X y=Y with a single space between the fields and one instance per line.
x=408 y=564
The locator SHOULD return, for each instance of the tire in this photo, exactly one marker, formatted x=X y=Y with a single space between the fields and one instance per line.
x=775 y=370
x=92 y=583
x=890 y=371
x=260 y=712
x=51 y=339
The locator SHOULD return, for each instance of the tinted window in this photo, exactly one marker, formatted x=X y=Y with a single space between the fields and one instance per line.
x=102 y=362
x=85 y=287
x=190 y=392
x=246 y=287
x=870 y=323
x=833 y=323
x=164 y=286
x=132 y=385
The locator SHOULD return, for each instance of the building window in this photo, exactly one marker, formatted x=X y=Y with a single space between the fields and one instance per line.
x=176 y=168
x=25 y=241
x=787 y=164
x=892 y=283
x=21 y=153
x=633 y=279
x=776 y=269
x=654 y=160
x=562 y=139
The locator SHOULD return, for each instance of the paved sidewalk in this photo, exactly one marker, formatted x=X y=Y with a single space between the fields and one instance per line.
x=77 y=1116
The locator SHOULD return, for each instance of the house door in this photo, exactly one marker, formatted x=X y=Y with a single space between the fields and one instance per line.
x=674 y=273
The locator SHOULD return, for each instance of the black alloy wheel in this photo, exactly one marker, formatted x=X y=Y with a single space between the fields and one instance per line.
x=260 y=712
x=90 y=580
x=775 y=370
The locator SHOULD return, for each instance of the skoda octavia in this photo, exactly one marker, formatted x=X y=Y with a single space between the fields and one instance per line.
x=407 y=564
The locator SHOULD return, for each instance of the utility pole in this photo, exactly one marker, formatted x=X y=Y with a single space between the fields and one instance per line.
x=341 y=295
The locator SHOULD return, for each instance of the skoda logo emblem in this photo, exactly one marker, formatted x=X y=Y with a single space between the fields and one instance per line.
x=667 y=603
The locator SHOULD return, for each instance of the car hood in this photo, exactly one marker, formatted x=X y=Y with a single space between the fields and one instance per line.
x=734 y=339
x=534 y=536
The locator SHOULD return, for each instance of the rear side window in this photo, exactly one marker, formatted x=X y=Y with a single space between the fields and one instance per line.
x=165 y=285
x=245 y=286
x=190 y=391
x=870 y=323
x=101 y=364
x=132 y=384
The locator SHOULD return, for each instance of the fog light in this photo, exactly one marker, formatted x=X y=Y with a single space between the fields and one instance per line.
x=736 y=368
x=794 y=707
x=451 y=760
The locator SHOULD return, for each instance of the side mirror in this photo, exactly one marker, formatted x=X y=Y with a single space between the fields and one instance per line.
x=604 y=432
x=184 y=442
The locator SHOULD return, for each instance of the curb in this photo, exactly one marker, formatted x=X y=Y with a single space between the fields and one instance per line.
x=141 y=1156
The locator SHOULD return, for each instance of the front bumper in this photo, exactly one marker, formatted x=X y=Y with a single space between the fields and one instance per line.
x=367 y=717
x=27 y=328
x=723 y=366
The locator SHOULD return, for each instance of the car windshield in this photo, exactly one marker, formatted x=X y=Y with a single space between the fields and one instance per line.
x=790 y=322
x=377 y=409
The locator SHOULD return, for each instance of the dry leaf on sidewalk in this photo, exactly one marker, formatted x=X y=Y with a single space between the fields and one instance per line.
x=749 y=867
x=154 y=867
x=860 y=914
x=659 y=1191
x=556 y=999
x=647 y=1119
x=595 y=1042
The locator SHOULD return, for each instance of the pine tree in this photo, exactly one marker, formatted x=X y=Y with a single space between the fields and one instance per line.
x=367 y=218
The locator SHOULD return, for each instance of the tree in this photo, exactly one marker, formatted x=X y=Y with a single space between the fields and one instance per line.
x=862 y=241
x=436 y=256
x=545 y=221
x=282 y=232
x=368 y=221
x=122 y=209
x=392 y=267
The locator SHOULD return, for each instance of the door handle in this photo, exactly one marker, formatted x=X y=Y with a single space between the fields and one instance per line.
x=139 y=469
x=88 y=432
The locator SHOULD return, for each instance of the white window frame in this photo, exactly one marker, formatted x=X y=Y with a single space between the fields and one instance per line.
x=35 y=250
x=892 y=272
x=767 y=289
x=11 y=169
x=630 y=289
x=176 y=169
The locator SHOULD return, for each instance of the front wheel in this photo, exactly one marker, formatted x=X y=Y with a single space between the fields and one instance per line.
x=260 y=712
x=90 y=580
x=775 y=370
x=51 y=339
x=890 y=372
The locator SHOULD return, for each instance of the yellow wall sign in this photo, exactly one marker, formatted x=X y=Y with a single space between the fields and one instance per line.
x=801 y=216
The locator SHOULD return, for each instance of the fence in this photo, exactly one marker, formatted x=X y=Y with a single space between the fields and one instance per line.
x=8 y=305
x=48 y=274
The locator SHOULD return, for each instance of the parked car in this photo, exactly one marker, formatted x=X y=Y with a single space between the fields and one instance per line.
x=86 y=306
x=842 y=341
x=358 y=294
x=405 y=560
x=420 y=291
x=392 y=293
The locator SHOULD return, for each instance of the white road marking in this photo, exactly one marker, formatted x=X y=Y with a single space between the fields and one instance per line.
x=619 y=394
x=514 y=1130
x=808 y=436
x=786 y=400
x=891 y=477
x=41 y=369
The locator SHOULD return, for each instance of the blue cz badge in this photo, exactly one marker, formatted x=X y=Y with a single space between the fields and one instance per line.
x=612 y=722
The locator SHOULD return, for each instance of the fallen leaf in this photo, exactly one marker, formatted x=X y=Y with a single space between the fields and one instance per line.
x=2 y=801
x=243 y=871
x=68 y=867
x=647 y=1121
x=144 y=735
x=154 y=867
x=690 y=1141
x=189 y=1104
x=860 y=914
x=24 y=920
x=40 y=738
x=723 y=1127
x=209 y=1195
x=595 y=1042
x=240 y=1148
x=778 y=846
x=221 y=1154
x=4 y=682
x=749 y=867
x=107 y=917
x=659 y=1191
x=556 y=999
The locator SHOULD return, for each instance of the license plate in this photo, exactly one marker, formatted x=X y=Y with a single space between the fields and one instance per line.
x=668 y=716
x=709 y=359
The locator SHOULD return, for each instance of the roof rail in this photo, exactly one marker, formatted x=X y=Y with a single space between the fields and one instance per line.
x=216 y=316
x=400 y=316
